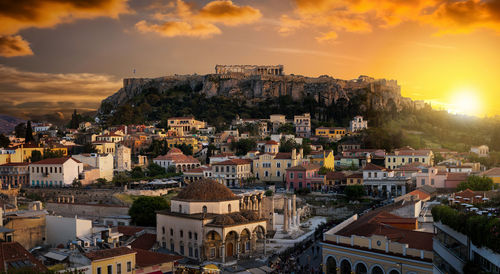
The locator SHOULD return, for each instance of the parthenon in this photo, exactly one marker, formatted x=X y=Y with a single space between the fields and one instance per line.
x=250 y=69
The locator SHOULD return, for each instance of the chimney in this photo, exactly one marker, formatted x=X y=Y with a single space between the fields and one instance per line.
x=294 y=154
x=301 y=152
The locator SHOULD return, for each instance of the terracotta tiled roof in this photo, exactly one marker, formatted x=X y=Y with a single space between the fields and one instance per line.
x=129 y=230
x=492 y=172
x=283 y=155
x=175 y=155
x=304 y=167
x=355 y=175
x=420 y=194
x=108 y=253
x=234 y=162
x=457 y=176
x=146 y=241
x=222 y=155
x=14 y=256
x=144 y=258
x=16 y=164
x=206 y=190
x=272 y=142
x=371 y=166
x=332 y=175
x=54 y=161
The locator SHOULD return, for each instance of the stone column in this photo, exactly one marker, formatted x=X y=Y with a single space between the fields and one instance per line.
x=290 y=213
x=223 y=252
x=285 y=215
x=294 y=209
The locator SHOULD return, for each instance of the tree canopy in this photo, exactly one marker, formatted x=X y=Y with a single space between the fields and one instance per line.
x=243 y=146
x=477 y=183
x=143 y=210
x=354 y=191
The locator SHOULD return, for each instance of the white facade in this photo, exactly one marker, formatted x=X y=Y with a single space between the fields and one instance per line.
x=61 y=230
x=481 y=151
x=56 y=172
x=302 y=125
x=104 y=162
x=358 y=124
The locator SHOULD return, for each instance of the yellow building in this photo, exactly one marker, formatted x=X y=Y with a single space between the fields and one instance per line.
x=406 y=156
x=323 y=158
x=173 y=141
x=335 y=133
x=271 y=167
x=493 y=173
x=115 y=260
x=184 y=125
x=22 y=153
x=103 y=147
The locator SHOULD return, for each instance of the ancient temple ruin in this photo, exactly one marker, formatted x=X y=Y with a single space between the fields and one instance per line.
x=248 y=70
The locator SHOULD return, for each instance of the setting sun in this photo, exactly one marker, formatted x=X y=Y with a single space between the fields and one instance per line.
x=466 y=101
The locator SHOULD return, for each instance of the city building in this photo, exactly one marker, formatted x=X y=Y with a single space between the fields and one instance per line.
x=184 y=125
x=332 y=133
x=302 y=125
x=205 y=223
x=14 y=258
x=431 y=176
x=122 y=158
x=62 y=230
x=55 y=172
x=114 y=260
x=177 y=159
x=381 y=181
x=148 y=262
x=405 y=156
x=358 y=124
x=14 y=174
x=27 y=226
x=103 y=162
x=271 y=167
x=104 y=147
x=324 y=158
x=111 y=137
x=304 y=176
x=276 y=121
x=378 y=242
x=233 y=172
x=493 y=173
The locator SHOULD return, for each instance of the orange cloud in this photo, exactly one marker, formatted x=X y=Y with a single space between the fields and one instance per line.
x=182 y=19
x=15 y=45
x=18 y=15
x=448 y=16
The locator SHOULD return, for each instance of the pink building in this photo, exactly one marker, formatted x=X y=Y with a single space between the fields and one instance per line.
x=304 y=176
x=430 y=176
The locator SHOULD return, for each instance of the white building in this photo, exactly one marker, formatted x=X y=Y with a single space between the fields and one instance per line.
x=302 y=125
x=61 y=230
x=481 y=151
x=55 y=172
x=381 y=181
x=104 y=162
x=358 y=124
x=122 y=160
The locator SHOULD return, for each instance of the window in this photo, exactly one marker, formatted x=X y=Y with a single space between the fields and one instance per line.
x=289 y=165
x=266 y=173
x=196 y=236
x=190 y=235
x=182 y=233
x=99 y=271
x=278 y=164
x=216 y=169
x=423 y=160
x=110 y=269
x=422 y=182
x=212 y=252
x=129 y=266
x=432 y=181
x=180 y=208
x=182 y=248
x=369 y=174
x=171 y=232
x=291 y=175
x=204 y=209
x=229 y=208
x=278 y=173
x=163 y=229
x=403 y=160
x=299 y=175
x=118 y=268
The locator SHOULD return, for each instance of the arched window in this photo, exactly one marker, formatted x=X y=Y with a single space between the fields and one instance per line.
x=190 y=234
x=163 y=229
x=229 y=208
x=204 y=209
x=345 y=267
x=331 y=266
x=377 y=270
x=182 y=233
x=361 y=269
x=171 y=232
x=180 y=208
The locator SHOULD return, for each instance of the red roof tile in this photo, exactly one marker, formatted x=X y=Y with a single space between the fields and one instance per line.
x=144 y=258
x=108 y=253
x=129 y=230
x=16 y=164
x=146 y=241
x=54 y=161
x=234 y=162
x=13 y=255
x=304 y=167
x=371 y=166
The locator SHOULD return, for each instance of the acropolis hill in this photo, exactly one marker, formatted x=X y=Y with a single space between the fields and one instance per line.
x=256 y=83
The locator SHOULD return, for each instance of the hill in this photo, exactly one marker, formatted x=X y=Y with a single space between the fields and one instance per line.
x=7 y=123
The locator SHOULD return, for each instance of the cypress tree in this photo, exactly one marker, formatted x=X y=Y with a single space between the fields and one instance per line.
x=29 y=133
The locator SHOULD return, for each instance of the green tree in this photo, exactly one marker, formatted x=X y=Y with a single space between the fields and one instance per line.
x=155 y=170
x=286 y=128
x=268 y=193
x=243 y=146
x=20 y=130
x=477 y=183
x=186 y=149
x=354 y=191
x=36 y=156
x=89 y=148
x=143 y=210
x=49 y=153
x=76 y=183
x=137 y=173
x=75 y=120
x=4 y=141
x=29 y=133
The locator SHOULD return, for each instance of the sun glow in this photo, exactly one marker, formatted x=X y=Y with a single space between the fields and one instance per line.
x=466 y=101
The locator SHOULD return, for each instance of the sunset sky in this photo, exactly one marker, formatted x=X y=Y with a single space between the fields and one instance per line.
x=57 y=55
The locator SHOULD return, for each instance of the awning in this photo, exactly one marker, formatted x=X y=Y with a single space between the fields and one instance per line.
x=55 y=256
x=211 y=267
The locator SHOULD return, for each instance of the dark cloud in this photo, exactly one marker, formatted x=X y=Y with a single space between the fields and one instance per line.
x=14 y=45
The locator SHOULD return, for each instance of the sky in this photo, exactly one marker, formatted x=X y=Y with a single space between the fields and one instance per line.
x=58 y=55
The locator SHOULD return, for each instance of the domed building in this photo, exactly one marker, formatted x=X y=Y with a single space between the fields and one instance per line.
x=206 y=223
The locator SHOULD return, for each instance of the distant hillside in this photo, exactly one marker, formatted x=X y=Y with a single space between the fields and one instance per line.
x=326 y=98
x=7 y=123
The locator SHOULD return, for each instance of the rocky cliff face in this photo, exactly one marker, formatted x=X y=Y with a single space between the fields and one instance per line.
x=378 y=93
